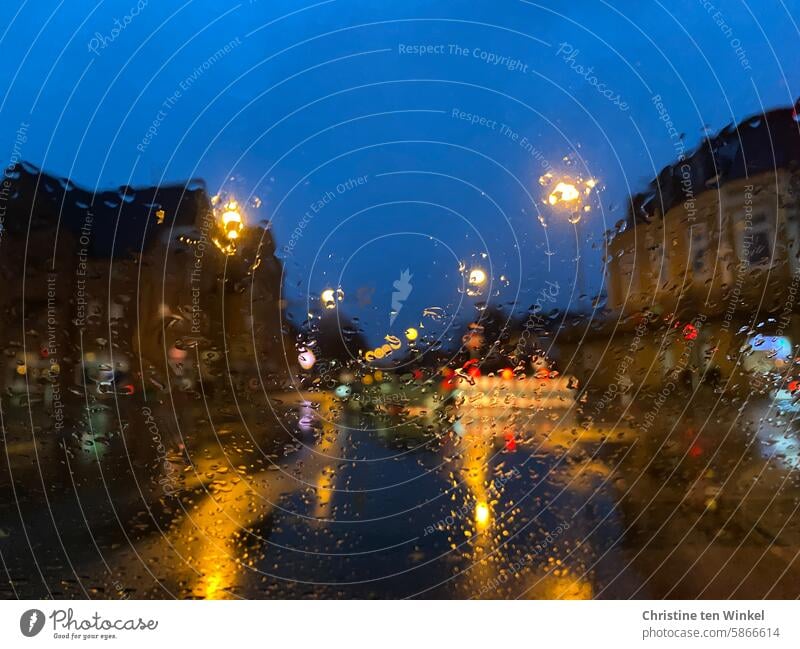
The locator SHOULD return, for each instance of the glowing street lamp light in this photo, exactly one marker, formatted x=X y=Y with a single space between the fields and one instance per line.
x=563 y=192
x=330 y=297
x=477 y=277
x=232 y=220
x=230 y=223
x=476 y=280
x=569 y=194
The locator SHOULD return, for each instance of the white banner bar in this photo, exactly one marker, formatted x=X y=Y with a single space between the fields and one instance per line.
x=353 y=624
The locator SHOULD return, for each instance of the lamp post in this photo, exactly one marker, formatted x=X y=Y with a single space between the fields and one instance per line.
x=567 y=195
x=330 y=297
x=476 y=280
x=230 y=223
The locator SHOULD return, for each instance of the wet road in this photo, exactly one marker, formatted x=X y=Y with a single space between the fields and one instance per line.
x=311 y=499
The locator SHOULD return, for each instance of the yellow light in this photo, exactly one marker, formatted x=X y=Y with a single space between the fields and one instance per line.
x=213 y=585
x=367 y=379
x=230 y=223
x=563 y=193
x=329 y=297
x=378 y=375
x=482 y=514
x=324 y=491
x=477 y=277
x=411 y=334
x=231 y=217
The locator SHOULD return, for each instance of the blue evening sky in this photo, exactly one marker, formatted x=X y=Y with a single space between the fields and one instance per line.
x=311 y=94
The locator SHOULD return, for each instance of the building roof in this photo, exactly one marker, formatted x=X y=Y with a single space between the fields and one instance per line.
x=119 y=218
x=760 y=143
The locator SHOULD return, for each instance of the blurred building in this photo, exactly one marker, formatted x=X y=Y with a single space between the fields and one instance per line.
x=131 y=287
x=704 y=272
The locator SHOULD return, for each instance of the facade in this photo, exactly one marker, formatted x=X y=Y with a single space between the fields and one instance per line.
x=127 y=290
x=703 y=277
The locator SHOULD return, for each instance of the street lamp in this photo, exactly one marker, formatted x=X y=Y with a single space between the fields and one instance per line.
x=477 y=277
x=476 y=280
x=230 y=222
x=563 y=192
x=568 y=193
x=330 y=297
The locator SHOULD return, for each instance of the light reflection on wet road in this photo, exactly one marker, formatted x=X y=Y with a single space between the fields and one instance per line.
x=338 y=503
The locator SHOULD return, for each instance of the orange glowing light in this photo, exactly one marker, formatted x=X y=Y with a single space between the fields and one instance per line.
x=482 y=514
x=477 y=277
x=563 y=192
